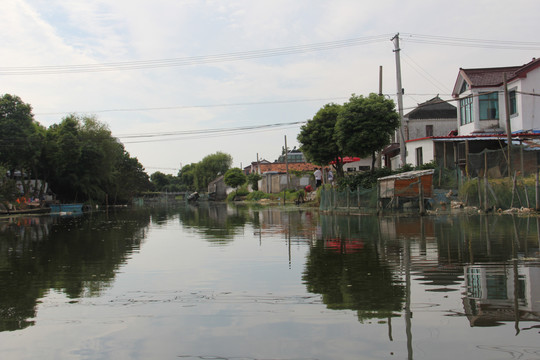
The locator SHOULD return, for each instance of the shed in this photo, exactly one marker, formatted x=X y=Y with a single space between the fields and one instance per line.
x=405 y=186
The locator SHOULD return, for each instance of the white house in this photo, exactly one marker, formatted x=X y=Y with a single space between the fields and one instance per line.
x=434 y=117
x=480 y=94
x=481 y=113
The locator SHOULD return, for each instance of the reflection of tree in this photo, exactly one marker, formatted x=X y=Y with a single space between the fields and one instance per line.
x=78 y=256
x=358 y=281
x=217 y=221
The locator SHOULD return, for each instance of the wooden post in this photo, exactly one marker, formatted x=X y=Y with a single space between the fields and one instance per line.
x=479 y=194
x=379 y=197
x=467 y=158
x=421 y=196
x=485 y=181
x=508 y=124
x=521 y=158
x=537 y=187
x=444 y=154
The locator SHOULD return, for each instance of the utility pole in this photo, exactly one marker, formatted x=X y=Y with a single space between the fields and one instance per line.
x=508 y=124
x=286 y=164
x=402 y=149
x=379 y=153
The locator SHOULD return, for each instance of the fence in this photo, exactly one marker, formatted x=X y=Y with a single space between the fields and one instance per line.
x=346 y=200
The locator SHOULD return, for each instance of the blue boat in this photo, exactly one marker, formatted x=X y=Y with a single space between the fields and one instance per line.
x=66 y=208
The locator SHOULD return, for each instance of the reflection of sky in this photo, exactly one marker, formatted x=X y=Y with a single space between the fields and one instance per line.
x=181 y=295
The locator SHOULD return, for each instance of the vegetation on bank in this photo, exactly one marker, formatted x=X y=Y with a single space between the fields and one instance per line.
x=78 y=158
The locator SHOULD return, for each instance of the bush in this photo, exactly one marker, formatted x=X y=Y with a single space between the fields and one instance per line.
x=253 y=179
x=257 y=195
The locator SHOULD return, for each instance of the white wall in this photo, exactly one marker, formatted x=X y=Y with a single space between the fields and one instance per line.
x=441 y=127
x=530 y=105
x=428 y=152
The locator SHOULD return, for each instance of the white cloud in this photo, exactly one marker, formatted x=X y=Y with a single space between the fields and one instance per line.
x=55 y=32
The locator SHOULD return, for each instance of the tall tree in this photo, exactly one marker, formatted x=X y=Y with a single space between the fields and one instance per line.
x=317 y=140
x=210 y=167
x=235 y=177
x=20 y=136
x=130 y=180
x=187 y=177
x=365 y=124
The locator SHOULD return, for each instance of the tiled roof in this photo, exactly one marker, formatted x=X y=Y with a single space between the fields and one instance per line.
x=489 y=77
x=435 y=108
x=494 y=77
x=281 y=167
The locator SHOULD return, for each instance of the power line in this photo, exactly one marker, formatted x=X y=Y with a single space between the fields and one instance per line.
x=192 y=60
x=205 y=133
x=185 y=107
x=470 y=42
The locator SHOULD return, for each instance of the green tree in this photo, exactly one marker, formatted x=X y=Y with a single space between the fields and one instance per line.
x=131 y=179
x=160 y=180
x=187 y=176
x=21 y=137
x=83 y=162
x=317 y=140
x=210 y=167
x=364 y=125
x=235 y=177
x=253 y=179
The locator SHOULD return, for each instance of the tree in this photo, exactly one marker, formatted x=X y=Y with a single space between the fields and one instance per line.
x=317 y=140
x=131 y=179
x=253 y=179
x=235 y=177
x=21 y=137
x=364 y=125
x=160 y=180
x=186 y=177
x=85 y=162
x=210 y=167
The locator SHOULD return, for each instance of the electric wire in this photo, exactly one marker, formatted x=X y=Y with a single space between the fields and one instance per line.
x=264 y=53
x=186 y=107
x=470 y=42
x=192 y=60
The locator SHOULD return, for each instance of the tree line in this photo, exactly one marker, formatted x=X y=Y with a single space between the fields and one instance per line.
x=194 y=176
x=78 y=158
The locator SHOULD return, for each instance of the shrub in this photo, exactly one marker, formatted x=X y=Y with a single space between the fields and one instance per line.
x=257 y=195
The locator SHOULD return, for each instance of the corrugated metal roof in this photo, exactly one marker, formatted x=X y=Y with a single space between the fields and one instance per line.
x=408 y=175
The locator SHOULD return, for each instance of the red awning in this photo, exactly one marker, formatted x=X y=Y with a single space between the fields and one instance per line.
x=346 y=159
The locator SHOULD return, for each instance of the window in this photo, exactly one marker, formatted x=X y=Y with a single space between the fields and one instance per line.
x=429 y=130
x=419 y=157
x=464 y=87
x=513 y=102
x=465 y=106
x=489 y=106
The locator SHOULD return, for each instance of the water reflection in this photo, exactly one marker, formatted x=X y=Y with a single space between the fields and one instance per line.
x=381 y=270
x=75 y=255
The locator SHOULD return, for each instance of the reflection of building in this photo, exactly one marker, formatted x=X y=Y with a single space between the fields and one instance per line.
x=501 y=293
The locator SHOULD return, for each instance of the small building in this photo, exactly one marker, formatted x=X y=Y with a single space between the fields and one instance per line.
x=434 y=117
x=218 y=190
x=403 y=187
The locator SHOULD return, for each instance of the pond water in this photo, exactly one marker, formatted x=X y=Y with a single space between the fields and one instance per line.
x=220 y=282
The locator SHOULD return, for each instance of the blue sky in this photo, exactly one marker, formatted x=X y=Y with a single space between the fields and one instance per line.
x=256 y=89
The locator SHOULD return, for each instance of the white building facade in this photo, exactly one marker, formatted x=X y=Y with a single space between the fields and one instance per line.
x=481 y=98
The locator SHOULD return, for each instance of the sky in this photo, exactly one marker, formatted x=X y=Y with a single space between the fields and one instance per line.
x=177 y=80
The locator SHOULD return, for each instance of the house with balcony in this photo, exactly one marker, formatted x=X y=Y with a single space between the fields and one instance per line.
x=481 y=140
x=480 y=94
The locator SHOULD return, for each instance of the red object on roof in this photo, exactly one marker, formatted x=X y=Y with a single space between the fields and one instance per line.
x=346 y=159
